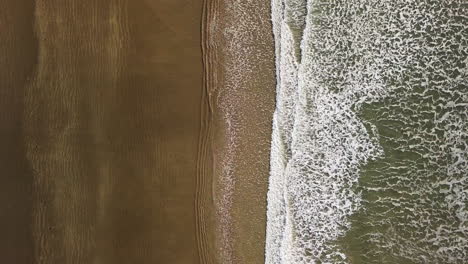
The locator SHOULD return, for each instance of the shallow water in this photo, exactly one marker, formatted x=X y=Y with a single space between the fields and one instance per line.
x=369 y=152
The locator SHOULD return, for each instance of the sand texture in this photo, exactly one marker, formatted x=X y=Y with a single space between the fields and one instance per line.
x=104 y=132
x=242 y=92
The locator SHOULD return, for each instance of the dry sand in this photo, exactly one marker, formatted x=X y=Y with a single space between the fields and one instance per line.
x=17 y=60
x=100 y=113
x=115 y=115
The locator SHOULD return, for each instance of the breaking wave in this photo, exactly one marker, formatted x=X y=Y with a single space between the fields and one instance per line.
x=370 y=134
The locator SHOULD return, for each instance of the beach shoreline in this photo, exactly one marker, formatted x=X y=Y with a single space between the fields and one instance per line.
x=243 y=100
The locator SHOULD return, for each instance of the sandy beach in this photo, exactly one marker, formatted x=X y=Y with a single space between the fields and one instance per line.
x=101 y=118
x=242 y=95
x=135 y=131
x=18 y=54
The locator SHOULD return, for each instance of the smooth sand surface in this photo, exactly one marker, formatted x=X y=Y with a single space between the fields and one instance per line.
x=100 y=109
x=115 y=114
x=18 y=56
x=243 y=98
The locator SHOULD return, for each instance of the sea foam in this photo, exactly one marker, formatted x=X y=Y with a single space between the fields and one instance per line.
x=369 y=145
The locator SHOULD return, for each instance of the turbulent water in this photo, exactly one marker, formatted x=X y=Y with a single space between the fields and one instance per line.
x=369 y=157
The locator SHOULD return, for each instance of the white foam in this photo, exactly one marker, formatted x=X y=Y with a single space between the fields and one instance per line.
x=352 y=55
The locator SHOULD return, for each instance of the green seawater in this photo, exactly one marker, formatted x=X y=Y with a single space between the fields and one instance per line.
x=376 y=167
x=415 y=196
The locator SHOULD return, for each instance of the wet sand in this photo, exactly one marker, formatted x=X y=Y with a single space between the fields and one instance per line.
x=103 y=116
x=242 y=92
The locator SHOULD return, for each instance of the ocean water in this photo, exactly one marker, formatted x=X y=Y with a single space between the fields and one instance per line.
x=369 y=153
